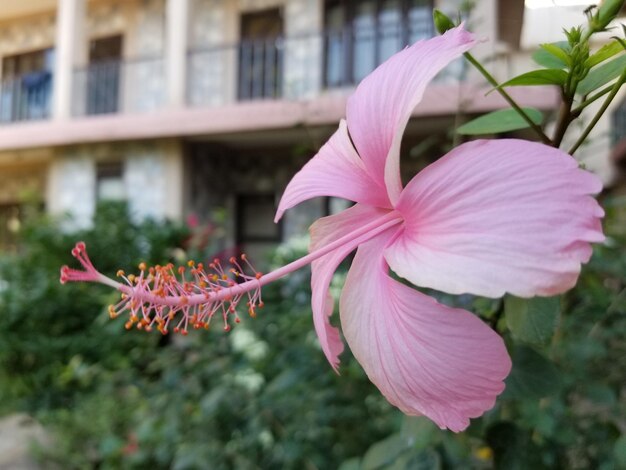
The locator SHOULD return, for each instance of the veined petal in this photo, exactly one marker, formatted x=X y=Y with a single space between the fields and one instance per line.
x=498 y=216
x=381 y=106
x=426 y=358
x=336 y=171
x=324 y=231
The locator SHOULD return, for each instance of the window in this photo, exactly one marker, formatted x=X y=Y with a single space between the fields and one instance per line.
x=256 y=231
x=103 y=75
x=261 y=55
x=361 y=35
x=26 y=86
x=110 y=182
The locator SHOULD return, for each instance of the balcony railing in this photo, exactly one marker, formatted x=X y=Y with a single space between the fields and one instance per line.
x=26 y=97
x=294 y=67
x=291 y=68
x=119 y=87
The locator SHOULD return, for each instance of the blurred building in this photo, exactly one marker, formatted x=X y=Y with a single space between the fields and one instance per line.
x=182 y=106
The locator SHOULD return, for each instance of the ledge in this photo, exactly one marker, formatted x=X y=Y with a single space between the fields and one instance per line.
x=265 y=115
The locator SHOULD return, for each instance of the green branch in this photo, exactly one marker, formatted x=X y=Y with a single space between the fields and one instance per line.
x=544 y=138
x=596 y=118
x=576 y=111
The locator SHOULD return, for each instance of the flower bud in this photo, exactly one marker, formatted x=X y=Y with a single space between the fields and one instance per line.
x=607 y=12
x=442 y=22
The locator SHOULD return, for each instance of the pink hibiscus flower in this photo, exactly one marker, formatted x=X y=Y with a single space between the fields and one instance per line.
x=489 y=217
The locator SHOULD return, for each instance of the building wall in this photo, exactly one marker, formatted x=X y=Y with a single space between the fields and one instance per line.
x=27 y=34
x=213 y=39
x=152 y=179
x=23 y=176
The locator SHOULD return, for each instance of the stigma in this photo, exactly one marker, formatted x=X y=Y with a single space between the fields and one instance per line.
x=178 y=299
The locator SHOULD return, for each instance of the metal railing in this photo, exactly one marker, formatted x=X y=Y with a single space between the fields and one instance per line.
x=295 y=67
x=119 y=87
x=26 y=97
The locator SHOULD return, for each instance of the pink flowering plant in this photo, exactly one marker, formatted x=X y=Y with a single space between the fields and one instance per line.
x=490 y=218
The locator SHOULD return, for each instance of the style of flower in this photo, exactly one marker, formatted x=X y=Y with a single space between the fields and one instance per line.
x=490 y=217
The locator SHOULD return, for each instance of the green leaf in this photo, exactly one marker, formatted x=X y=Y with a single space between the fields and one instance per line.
x=532 y=377
x=500 y=121
x=419 y=431
x=427 y=459
x=532 y=320
x=538 y=77
x=553 y=55
x=619 y=451
x=384 y=453
x=351 y=464
x=605 y=52
x=550 y=58
x=512 y=447
x=602 y=75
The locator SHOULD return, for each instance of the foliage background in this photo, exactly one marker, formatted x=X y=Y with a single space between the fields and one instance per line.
x=263 y=395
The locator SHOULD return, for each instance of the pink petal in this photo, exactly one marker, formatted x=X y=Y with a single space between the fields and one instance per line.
x=426 y=358
x=336 y=171
x=324 y=231
x=498 y=216
x=380 y=108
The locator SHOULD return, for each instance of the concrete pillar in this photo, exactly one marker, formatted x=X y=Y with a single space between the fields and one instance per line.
x=70 y=48
x=176 y=26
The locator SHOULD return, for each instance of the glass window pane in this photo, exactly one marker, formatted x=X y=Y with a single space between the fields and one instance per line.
x=334 y=44
x=389 y=29
x=420 y=22
x=110 y=182
x=363 y=30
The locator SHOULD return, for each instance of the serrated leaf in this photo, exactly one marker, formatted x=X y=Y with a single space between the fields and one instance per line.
x=532 y=320
x=503 y=120
x=602 y=75
x=549 y=58
x=538 y=77
x=605 y=52
x=532 y=377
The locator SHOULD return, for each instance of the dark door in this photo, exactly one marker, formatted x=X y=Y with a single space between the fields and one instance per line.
x=103 y=75
x=261 y=55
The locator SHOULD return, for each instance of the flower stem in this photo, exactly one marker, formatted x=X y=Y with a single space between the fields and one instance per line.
x=544 y=138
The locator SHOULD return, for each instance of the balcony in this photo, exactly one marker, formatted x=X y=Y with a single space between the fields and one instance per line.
x=26 y=97
x=294 y=67
x=282 y=68
x=113 y=86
